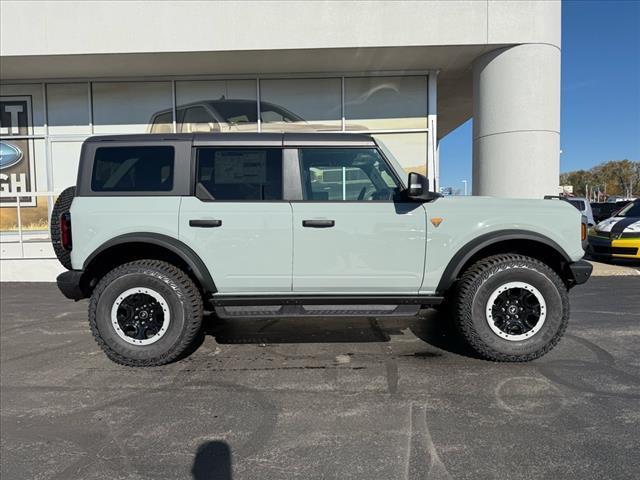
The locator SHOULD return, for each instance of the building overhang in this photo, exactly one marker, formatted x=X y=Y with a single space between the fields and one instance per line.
x=452 y=64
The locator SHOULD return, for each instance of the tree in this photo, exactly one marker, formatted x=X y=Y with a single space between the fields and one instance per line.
x=616 y=177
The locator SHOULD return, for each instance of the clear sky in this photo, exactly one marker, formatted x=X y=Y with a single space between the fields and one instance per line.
x=600 y=117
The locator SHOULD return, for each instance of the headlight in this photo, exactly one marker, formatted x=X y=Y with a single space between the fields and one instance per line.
x=594 y=232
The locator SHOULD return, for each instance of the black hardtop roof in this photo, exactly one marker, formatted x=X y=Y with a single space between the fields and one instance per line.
x=308 y=139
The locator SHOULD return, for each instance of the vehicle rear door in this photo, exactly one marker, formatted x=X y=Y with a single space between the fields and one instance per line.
x=237 y=221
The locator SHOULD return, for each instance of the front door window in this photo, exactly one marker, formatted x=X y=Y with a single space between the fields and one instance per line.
x=346 y=174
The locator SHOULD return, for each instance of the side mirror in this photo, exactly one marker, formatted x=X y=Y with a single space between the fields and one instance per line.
x=419 y=188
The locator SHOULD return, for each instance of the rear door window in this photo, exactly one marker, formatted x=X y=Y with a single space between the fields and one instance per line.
x=241 y=174
x=133 y=169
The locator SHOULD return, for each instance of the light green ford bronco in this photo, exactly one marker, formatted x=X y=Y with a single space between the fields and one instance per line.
x=160 y=228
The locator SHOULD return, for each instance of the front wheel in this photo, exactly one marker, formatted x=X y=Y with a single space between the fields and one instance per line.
x=511 y=308
x=145 y=313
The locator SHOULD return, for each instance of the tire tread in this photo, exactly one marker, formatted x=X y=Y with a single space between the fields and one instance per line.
x=465 y=290
x=193 y=316
x=62 y=205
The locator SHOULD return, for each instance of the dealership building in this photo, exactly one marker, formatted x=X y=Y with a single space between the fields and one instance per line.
x=406 y=72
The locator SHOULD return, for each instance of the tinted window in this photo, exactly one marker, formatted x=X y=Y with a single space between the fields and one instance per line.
x=133 y=169
x=241 y=173
x=631 y=210
x=346 y=174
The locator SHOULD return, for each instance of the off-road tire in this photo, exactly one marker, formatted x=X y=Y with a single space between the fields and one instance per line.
x=62 y=205
x=472 y=293
x=185 y=305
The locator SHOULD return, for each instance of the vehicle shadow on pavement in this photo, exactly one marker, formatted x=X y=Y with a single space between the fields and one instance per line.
x=212 y=461
x=436 y=328
x=432 y=327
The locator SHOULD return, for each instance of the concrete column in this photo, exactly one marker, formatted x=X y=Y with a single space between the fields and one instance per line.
x=516 y=121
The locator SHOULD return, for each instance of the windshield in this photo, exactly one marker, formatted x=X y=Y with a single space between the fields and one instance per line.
x=631 y=210
x=239 y=111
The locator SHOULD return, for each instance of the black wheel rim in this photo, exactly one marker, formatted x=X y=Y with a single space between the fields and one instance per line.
x=516 y=311
x=140 y=316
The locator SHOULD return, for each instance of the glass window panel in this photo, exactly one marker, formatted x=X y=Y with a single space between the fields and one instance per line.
x=68 y=108
x=31 y=94
x=65 y=157
x=23 y=169
x=301 y=104
x=409 y=149
x=40 y=166
x=8 y=224
x=221 y=105
x=197 y=119
x=33 y=209
x=35 y=220
x=346 y=174
x=121 y=107
x=162 y=122
x=241 y=174
x=381 y=103
x=133 y=169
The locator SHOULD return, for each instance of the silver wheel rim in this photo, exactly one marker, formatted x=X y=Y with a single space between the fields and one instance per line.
x=501 y=315
x=160 y=303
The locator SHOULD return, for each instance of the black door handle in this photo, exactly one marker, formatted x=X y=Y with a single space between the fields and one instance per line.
x=205 y=223
x=318 y=223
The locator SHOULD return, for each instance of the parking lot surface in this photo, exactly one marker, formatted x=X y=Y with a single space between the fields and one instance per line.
x=323 y=398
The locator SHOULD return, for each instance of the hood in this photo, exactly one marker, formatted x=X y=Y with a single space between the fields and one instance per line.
x=622 y=224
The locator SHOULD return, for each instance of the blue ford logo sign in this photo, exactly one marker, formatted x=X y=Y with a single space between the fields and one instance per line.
x=10 y=155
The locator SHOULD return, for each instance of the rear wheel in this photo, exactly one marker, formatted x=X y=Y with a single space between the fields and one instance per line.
x=511 y=308
x=145 y=313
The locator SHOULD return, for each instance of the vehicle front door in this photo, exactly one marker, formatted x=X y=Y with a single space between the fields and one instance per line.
x=238 y=223
x=353 y=232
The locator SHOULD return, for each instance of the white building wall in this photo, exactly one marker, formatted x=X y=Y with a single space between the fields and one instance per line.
x=83 y=27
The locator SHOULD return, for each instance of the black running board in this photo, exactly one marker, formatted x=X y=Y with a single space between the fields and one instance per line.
x=256 y=300
x=263 y=306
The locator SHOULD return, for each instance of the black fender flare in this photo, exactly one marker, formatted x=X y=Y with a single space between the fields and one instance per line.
x=465 y=253
x=179 y=248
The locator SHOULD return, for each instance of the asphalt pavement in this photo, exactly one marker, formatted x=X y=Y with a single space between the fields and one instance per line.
x=320 y=399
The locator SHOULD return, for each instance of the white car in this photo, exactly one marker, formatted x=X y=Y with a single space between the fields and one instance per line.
x=581 y=203
x=584 y=206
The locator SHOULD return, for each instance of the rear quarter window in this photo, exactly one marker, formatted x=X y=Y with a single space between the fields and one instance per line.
x=133 y=169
